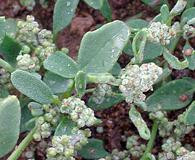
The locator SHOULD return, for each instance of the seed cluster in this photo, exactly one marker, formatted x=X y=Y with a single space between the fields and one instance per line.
x=135 y=80
x=38 y=44
x=100 y=92
x=134 y=147
x=161 y=33
x=117 y=155
x=65 y=147
x=78 y=112
x=46 y=122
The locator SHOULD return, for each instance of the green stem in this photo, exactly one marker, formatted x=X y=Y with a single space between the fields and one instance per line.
x=6 y=65
x=151 y=141
x=22 y=146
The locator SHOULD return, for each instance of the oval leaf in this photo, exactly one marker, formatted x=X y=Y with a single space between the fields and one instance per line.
x=57 y=83
x=63 y=13
x=168 y=97
x=100 y=49
x=32 y=87
x=10 y=115
x=139 y=123
x=108 y=102
x=61 y=64
x=80 y=83
x=189 y=117
x=65 y=127
x=188 y=14
x=96 y=4
x=137 y=23
x=94 y=149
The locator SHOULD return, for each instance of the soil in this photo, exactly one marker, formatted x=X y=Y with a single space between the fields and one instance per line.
x=116 y=124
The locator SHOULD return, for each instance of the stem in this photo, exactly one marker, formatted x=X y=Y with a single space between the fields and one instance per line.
x=6 y=65
x=151 y=141
x=26 y=141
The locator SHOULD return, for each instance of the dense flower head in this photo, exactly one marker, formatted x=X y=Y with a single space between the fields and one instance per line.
x=46 y=122
x=100 y=92
x=65 y=146
x=135 y=80
x=78 y=112
x=161 y=33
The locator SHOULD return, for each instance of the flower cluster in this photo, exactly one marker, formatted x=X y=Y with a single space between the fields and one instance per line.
x=176 y=128
x=188 y=156
x=38 y=44
x=171 y=149
x=117 y=155
x=188 y=31
x=135 y=80
x=78 y=112
x=134 y=147
x=46 y=122
x=161 y=33
x=65 y=147
x=100 y=92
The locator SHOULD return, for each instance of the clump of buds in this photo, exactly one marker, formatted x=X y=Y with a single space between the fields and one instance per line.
x=46 y=122
x=40 y=40
x=100 y=92
x=161 y=33
x=188 y=156
x=171 y=149
x=134 y=147
x=4 y=77
x=78 y=112
x=117 y=155
x=135 y=80
x=66 y=146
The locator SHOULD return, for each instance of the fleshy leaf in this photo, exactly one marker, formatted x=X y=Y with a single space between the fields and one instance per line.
x=137 y=23
x=100 y=49
x=61 y=64
x=188 y=14
x=108 y=102
x=169 y=96
x=10 y=49
x=189 y=117
x=63 y=13
x=32 y=87
x=65 y=127
x=80 y=83
x=57 y=83
x=96 y=4
x=106 y=10
x=139 y=123
x=94 y=149
x=10 y=114
x=174 y=62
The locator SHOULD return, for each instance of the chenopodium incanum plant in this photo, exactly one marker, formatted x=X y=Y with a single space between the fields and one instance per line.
x=52 y=85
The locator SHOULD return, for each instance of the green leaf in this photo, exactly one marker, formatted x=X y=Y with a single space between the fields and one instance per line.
x=100 y=49
x=168 y=97
x=94 y=149
x=96 y=4
x=189 y=117
x=65 y=127
x=61 y=64
x=4 y=92
x=57 y=83
x=137 y=23
x=191 y=61
x=188 y=14
x=106 y=10
x=32 y=87
x=108 y=102
x=116 y=69
x=36 y=109
x=164 y=10
x=10 y=115
x=173 y=61
x=139 y=123
x=10 y=49
x=138 y=45
x=63 y=13
x=80 y=83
